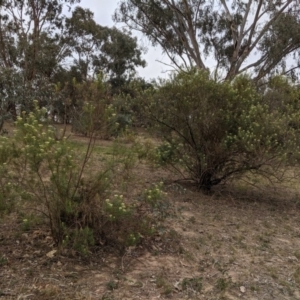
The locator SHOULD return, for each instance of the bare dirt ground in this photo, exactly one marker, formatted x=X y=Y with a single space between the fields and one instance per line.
x=236 y=243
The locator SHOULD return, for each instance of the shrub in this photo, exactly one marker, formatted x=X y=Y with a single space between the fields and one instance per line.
x=61 y=183
x=93 y=98
x=8 y=189
x=216 y=131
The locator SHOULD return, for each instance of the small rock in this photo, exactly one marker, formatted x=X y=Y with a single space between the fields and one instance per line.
x=25 y=235
x=242 y=289
x=51 y=253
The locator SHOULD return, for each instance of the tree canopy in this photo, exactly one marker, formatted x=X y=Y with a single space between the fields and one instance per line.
x=258 y=36
x=46 y=41
x=98 y=48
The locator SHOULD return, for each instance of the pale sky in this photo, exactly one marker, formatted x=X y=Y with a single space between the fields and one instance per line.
x=103 y=11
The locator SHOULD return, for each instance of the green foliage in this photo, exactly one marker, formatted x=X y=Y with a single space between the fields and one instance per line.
x=216 y=131
x=116 y=209
x=222 y=284
x=6 y=195
x=194 y=284
x=3 y=261
x=8 y=189
x=227 y=31
x=94 y=112
x=165 y=154
x=65 y=188
x=31 y=52
x=82 y=240
x=100 y=48
x=155 y=199
x=35 y=54
x=112 y=285
x=25 y=225
x=162 y=282
x=154 y=195
x=281 y=94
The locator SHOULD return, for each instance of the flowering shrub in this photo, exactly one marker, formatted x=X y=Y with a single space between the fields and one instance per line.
x=154 y=195
x=165 y=154
x=155 y=198
x=214 y=131
x=116 y=209
x=58 y=181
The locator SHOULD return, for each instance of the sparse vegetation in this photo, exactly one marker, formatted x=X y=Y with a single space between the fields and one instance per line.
x=59 y=181
x=192 y=284
x=206 y=244
x=112 y=187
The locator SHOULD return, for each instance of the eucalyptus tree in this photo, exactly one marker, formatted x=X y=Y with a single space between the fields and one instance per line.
x=98 y=48
x=258 y=36
x=32 y=47
x=43 y=42
x=31 y=36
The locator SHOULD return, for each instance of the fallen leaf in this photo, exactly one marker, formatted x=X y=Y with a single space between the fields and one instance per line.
x=51 y=253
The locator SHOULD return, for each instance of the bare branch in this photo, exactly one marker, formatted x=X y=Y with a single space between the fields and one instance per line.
x=168 y=65
x=228 y=14
x=267 y=25
x=291 y=69
x=253 y=65
x=256 y=18
x=242 y=27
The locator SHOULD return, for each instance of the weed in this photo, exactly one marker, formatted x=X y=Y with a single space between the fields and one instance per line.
x=168 y=290
x=83 y=239
x=265 y=242
x=8 y=190
x=155 y=198
x=112 y=285
x=3 y=260
x=29 y=221
x=194 y=284
x=254 y=288
x=116 y=209
x=163 y=283
x=222 y=284
x=25 y=225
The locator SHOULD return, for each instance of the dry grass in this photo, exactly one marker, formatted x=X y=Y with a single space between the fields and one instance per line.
x=237 y=243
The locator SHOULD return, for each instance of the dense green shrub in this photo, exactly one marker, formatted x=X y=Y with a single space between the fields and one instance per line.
x=215 y=131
